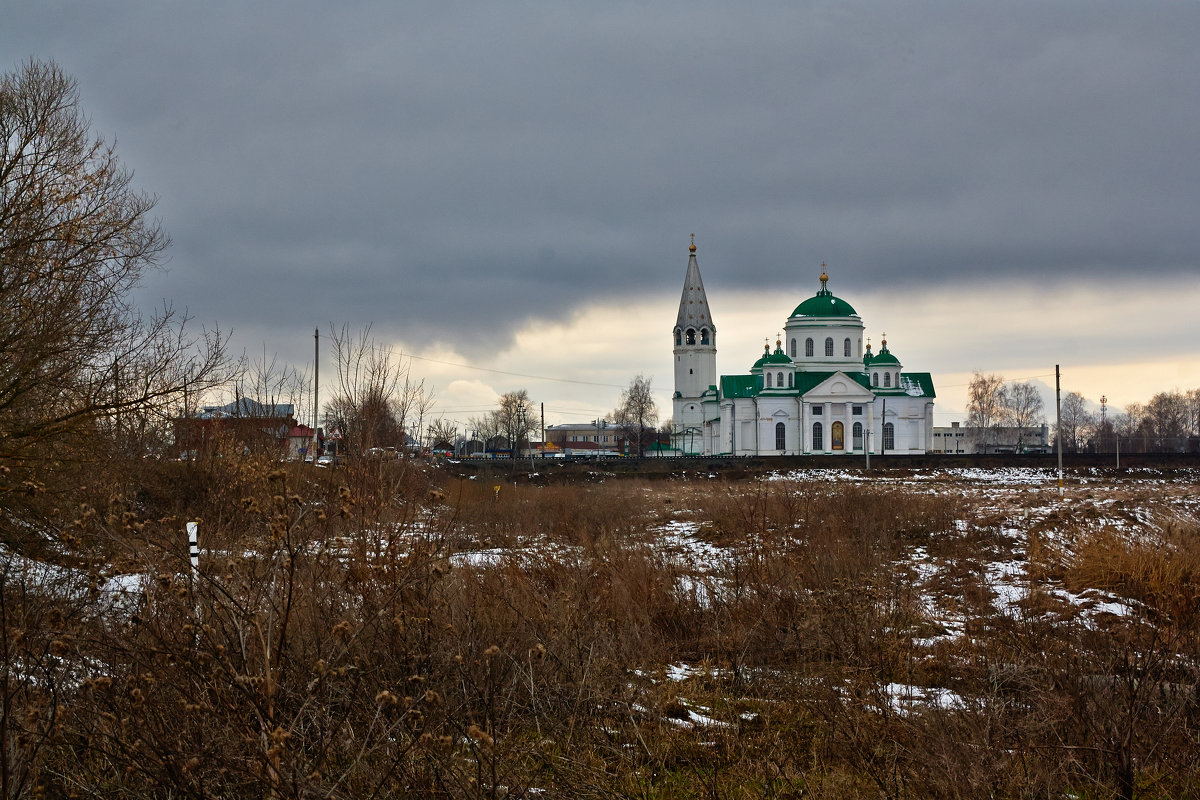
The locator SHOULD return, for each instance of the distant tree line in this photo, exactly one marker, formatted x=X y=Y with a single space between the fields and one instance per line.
x=1003 y=414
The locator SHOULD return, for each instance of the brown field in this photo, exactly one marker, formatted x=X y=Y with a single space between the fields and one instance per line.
x=393 y=630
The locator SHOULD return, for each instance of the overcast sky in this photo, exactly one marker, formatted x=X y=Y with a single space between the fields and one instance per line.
x=999 y=186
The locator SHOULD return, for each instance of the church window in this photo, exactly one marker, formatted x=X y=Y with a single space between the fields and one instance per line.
x=818 y=411
x=874 y=378
x=860 y=348
x=780 y=436
x=846 y=348
x=857 y=431
x=768 y=380
x=793 y=350
x=779 y=379
x=818 y=439
x=889 y=436
x=897 y=380
x=856 y=411
x=678 y=337
x=790 y=377
x=808 y=347
x=704 y=336
x=887 y=380
x=691 y=336
x=829 y=345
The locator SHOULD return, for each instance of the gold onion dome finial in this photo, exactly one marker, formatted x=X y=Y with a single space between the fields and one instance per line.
x=692 y=247
x=778 y=341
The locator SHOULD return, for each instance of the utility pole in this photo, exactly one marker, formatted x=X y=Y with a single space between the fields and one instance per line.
x=867 y=437
x=1058 y=424
x=543 y=445
x=1103 y=419
x=316 y=390
x=516 y=444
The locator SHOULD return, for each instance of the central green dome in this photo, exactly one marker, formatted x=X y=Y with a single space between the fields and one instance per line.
x=824 y=304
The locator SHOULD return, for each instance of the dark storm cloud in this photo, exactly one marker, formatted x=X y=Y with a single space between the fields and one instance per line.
x=443 y=170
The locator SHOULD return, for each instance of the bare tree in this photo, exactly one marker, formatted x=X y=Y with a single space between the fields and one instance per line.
x=1076 y=422
x=76 y=237
x=984 y=409
x=515 y=418
x=636 y=413
x=273 y=383
x=1167 y=414
x=1128 y=427
x=484 y=428
x=376 y=397
x=1193 y=413
x=1022 y=409
x=442 y=433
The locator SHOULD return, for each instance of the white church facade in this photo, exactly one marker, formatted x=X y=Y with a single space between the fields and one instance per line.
x=819 y=392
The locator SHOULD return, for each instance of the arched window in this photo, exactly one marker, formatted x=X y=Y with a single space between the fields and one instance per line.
x=874 y=378
x=889 y=436
x=793 y=349
x=818 y=440
x=860 y=348
x=768 y=380
x=790 y=377
x=808 y=347
x=779 y=379
x=887 y=380
x=704 y=336
x=691 y=336
x=846 y=348
x=856 y=432
x=780 y=436
x=897 y=380
x=828 y=345
x=678 y=337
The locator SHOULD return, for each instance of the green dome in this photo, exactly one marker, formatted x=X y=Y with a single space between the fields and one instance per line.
x=884 y=357
x=778 y=357
x=824 y=305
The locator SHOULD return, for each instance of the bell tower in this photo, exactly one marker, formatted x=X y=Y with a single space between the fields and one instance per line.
x=695 y=338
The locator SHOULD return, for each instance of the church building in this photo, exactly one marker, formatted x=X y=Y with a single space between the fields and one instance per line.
x=818 y=391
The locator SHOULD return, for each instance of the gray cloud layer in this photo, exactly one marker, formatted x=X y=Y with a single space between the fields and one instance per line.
x=409 y=163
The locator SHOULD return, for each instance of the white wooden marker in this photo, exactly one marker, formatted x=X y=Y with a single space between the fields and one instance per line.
x=194 y=549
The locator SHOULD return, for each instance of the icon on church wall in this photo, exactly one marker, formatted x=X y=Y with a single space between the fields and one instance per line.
x=839 y=436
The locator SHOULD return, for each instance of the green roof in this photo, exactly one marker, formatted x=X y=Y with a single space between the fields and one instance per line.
x=912 y=384
x=807 y=381
x=824 y=305
x=883 y=357
x=741 y=385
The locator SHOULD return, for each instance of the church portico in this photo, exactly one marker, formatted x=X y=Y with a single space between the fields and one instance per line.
x=820 y=391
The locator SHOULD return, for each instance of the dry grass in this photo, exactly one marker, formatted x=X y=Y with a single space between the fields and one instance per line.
x=340 y=643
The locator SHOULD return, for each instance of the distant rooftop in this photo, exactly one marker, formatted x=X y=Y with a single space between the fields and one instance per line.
x=245 y=407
